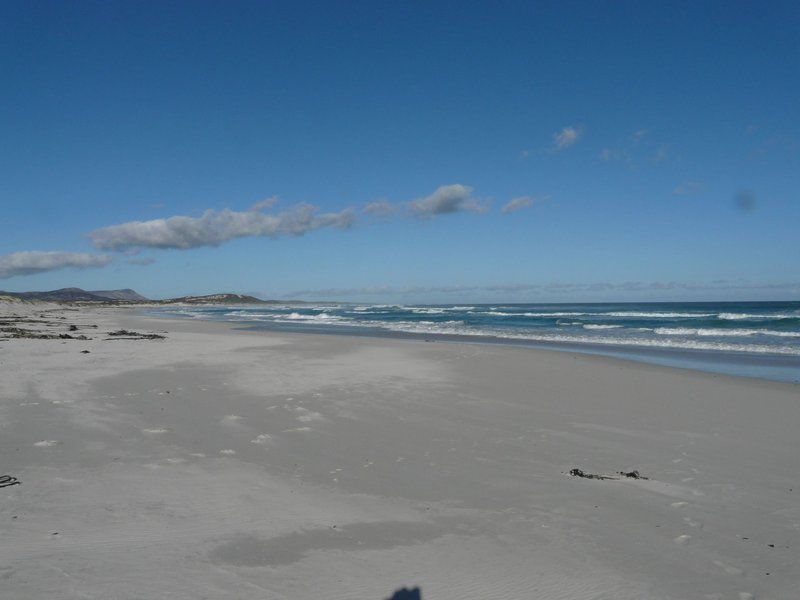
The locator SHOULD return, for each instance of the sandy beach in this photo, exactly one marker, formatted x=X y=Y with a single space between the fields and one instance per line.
x=222 y=463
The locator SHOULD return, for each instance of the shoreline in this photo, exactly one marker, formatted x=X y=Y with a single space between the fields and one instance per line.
x=776 y=367
x=232 y=463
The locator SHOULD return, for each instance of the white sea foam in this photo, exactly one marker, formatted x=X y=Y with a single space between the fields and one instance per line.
x=683 y=344
x=749 y=316
x=708 y=332
x=614 y=331
x=422 y=310
x=655 y=315
x=495 y=313
x=618 y=314
x=319 y=317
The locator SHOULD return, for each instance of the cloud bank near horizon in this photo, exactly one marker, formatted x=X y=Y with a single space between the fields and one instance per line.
x=553 y=287
x=36 y=261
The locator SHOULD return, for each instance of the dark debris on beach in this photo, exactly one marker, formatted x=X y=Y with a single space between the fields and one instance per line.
x=575 y=472
x=18 y=332
x=134 y=335
x=19 y=327
x=8 y=480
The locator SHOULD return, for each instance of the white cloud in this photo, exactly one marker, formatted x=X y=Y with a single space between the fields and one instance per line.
x=379 y=208
x=566 y=137
x=216 y=227
x=266 y=203
x=516 y=204
x=446 y=199
x=32 y=262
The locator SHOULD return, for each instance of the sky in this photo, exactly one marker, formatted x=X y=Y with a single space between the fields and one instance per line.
x=402 y=151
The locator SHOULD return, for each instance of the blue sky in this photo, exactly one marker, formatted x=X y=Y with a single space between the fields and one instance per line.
x=653 y=149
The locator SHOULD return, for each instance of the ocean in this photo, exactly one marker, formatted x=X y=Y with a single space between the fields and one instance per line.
x=758 y=339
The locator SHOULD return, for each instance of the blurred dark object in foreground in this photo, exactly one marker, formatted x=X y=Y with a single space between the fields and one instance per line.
x=406 y=594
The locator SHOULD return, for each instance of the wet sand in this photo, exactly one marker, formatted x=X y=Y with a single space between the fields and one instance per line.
x=217 y=463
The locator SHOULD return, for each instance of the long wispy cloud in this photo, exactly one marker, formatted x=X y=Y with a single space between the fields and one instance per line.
x=213 y=228
x=380 y=209
x=33 y=262
x=445 y=200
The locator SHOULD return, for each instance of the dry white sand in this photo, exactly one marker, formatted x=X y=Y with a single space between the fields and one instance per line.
x=228 y=464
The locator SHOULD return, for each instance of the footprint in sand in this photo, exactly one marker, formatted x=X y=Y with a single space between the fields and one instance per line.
x=682 y=539
x=232 y=418
x=45 y=443
x=730 y=570
x=261 y=439
x=692 y=523
x=679 y=504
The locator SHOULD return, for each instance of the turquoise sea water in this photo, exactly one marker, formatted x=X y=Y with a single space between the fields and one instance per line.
x=760 y=339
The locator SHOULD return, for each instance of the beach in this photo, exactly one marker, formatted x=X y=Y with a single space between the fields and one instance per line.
x=218 y=462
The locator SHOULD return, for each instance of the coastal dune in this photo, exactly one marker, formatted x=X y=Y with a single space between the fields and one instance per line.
x=224 y=463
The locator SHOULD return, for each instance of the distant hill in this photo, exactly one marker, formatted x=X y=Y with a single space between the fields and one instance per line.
x=130 y=296
x=79 y=295
x=218 y=299
x=127 y=295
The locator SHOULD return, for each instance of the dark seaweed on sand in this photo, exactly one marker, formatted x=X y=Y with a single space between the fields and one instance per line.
x=627 y=474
